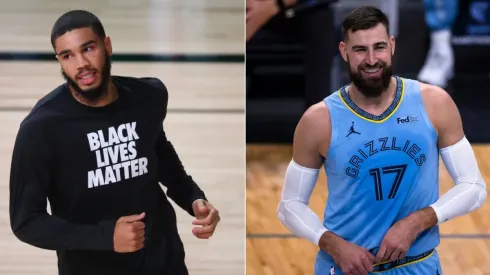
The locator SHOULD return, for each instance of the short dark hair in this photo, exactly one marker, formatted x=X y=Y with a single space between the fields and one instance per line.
x=364 y=18
x=76 y=19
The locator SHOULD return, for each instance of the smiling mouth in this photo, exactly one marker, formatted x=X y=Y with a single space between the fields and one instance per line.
x=372 y=71
x=87 y=78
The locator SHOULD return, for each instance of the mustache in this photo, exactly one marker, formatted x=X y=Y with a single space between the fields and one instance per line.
x=375 y=66
x=85 y=71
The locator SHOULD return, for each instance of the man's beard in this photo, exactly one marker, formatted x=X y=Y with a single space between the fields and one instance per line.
x=94 y=94
x=371 y=87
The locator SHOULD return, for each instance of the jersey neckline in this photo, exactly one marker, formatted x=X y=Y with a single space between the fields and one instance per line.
x=400 y=91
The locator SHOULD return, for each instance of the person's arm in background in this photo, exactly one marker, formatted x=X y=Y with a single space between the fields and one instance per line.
x=312 y=20
x=259 y=12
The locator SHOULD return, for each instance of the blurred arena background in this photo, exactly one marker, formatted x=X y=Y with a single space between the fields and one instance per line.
x=197 y=49
x=293 y=62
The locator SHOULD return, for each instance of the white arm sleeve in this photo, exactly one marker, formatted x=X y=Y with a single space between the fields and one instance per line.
x=470 y=191
x=293 y=210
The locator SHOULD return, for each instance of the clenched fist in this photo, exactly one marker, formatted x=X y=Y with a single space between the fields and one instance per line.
x=129 y=234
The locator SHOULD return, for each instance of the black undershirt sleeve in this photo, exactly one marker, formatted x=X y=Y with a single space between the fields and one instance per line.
x=30 y=177
x=181 y=188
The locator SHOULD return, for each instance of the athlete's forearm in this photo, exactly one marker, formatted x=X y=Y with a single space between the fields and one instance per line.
x=329 y=242
x=181 y=187
x=31 y=223
x=293 y=210
x=469 y=192
x=423 y=219
x=51 y=232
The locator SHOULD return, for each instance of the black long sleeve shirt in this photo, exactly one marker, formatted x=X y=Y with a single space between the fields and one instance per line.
x=94 y=165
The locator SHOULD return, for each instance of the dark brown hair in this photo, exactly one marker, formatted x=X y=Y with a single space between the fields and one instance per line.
x=364 y=18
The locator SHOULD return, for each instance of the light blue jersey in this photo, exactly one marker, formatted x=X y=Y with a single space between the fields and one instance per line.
x=379 y=170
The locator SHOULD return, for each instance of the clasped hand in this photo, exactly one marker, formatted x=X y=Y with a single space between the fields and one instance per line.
x=353 y=259
x=396 y=241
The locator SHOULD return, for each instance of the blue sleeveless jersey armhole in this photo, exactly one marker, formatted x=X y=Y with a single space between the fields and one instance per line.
x=333 y=102
x=422 y=109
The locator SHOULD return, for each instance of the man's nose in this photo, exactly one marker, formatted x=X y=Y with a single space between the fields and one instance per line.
x=82 y=62
x=371 y=59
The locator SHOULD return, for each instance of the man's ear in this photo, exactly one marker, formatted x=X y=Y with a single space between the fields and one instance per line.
x=108 y=45
x=343 y=50
x=392 y=42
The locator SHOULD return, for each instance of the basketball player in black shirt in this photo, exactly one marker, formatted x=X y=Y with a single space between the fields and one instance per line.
x=95 y=147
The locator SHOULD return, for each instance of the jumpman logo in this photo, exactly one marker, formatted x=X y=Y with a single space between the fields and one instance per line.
x=352 y=131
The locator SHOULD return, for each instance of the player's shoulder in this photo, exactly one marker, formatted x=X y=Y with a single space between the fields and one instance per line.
x=149 y=93
x=147 y=86
x=434 y=96
x=439 y=105
x=317 y=112
x=316 y=118
x=44 y=113
x=47 y=105
x=314 y=129
x=148 y=82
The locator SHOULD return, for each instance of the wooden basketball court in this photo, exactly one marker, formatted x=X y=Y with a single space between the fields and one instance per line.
x=271 y=249
x=206 y=106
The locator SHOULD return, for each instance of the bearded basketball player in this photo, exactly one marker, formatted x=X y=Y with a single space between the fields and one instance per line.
x=379 y=139
x=96 y=149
